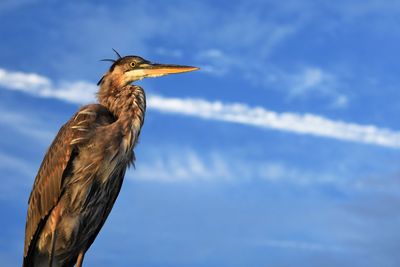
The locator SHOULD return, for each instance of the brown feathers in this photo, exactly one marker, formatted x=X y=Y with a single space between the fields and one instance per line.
x=49 y=180
x=82 y=172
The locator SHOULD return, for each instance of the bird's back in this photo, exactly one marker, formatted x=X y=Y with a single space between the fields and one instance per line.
x=79 y=179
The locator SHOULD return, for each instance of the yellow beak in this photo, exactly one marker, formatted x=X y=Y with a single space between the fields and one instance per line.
x=164 y=69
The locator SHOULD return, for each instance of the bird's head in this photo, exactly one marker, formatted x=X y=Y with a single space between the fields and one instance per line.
x=128 y=69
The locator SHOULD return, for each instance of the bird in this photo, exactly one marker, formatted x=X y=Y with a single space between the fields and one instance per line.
x=83 y=170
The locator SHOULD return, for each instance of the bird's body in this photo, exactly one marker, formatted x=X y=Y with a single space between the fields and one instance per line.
x=83 y=170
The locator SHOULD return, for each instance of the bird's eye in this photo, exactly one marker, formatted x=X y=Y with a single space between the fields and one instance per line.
x=132 y=64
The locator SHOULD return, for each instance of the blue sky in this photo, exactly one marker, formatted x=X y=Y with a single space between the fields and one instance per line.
x=282 y=150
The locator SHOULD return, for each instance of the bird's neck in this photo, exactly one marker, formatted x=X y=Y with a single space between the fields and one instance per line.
x=127 y=103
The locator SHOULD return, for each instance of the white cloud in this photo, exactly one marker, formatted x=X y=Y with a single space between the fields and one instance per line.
x=74 y=92
x=82 y=92
x=23 y=81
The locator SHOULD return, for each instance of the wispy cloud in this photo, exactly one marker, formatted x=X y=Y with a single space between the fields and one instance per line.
x=300 y=245
x=302 y=82
x=216 y=62
x=172 y=164
x=25 y=125
x=16 y=164
x=310 y=124
x=15 y=172
x=165 y=164
x=187 y=165
x=9 y=5
x=163 y=51
x=310 y=80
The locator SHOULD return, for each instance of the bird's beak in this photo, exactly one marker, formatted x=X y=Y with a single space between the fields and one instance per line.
x=155 y=70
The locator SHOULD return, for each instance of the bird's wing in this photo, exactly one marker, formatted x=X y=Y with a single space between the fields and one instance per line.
x=119 y=178
x=56 y=165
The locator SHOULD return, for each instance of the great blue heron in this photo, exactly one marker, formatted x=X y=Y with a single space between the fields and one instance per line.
x=82 y=172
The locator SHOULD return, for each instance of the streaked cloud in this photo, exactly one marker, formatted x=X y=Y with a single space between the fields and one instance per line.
x=292 y=122
x=310 y=124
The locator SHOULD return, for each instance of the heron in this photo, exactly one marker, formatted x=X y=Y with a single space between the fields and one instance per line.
x=83 y=170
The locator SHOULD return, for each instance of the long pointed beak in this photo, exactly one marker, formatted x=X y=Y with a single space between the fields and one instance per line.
x=154 y=70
